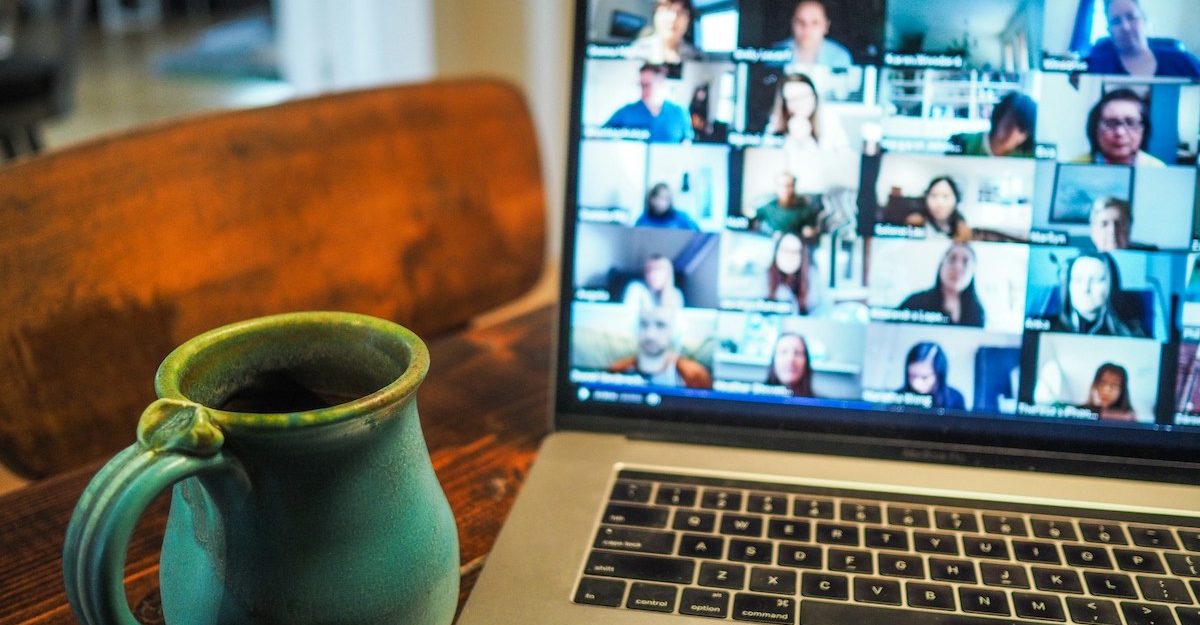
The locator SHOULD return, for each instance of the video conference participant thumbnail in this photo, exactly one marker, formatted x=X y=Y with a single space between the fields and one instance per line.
x=1126 y=123
x=662 y=346
x=1187 y=381
x=948 y=283
x=783 y=273
x=919 y=366
x=638 y=265
x=777 y=198
x=632 y=100
x=661 y=31
x=1000 y=36
x=940 y=197
x=1122 y=37
x=1121 y=293
x=1107 y=207
x=789 y=356
x=1095 y=378
x=802 y=33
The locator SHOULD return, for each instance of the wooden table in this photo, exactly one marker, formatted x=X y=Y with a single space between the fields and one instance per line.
x=484 y=409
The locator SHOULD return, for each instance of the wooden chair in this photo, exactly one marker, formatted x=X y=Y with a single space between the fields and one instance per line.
x=422 y=204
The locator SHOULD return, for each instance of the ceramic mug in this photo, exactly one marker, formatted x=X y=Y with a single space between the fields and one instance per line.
x=302 y=488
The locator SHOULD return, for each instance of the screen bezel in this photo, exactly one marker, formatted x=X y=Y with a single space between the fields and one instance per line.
x=1129 y=452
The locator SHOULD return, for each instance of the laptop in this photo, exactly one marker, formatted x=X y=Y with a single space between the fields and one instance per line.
x=872 y=311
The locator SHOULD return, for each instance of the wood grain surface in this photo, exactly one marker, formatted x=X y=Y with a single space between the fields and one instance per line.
x=420 y=204
x=484 y=410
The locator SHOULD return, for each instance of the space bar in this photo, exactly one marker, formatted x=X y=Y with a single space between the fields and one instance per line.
x=817 y=613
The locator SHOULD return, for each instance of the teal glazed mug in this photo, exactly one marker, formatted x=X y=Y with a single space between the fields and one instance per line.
x=303 y=492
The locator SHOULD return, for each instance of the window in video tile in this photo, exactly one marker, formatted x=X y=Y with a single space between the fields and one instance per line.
x=1122 y=37
x=940 y=368
x=785 y=356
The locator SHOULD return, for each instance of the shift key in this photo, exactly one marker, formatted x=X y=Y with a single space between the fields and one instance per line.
x=633 y=566
x=641 y=516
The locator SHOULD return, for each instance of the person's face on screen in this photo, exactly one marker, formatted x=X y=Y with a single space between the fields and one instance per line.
x=921 y=377
x=660 y=201
x=1089 y=286
x=810 y=25
x=957 y=269
x=1126 y=25
x=671 y=20
x=659 y=274
x=800 y=98
x=1110 y=229
x=941 y=201
x=1120 y=131
x=1107 y=390
x=1008 y=136
x=655 y=325
x=791 y=360
x=785 y=187
x=653 y=85
x=787 y=257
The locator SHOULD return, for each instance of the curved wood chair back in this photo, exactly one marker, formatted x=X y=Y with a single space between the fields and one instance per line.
x=421 y=204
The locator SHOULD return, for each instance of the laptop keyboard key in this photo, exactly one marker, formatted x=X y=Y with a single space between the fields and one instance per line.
x=1087 y=556
x=1159 y=538
x=636 y=492
x=983 y=601
x=652 y=597
x=641 y=516
x=1185 y=565
x=1164 y=589
x=850 y=561
x=873 y=590
x=722 y=499
x=775 y=581
x=682 y=496
x=1138 y=561
x=1042 y=553
x=786 y=529
x=812 y=508
x=952 y=570
x=722 y=575
x=764 y=609
x=701 y=546
x=689 y=521
x=1054 y=529
x=605 y=592
x=936 y=596
x=908 y=516
x=711 y=603
x=1102 y=533
x=1093 y=611
x=926 y=542
x=1110 y=585
x=1004 y=525
x=859 y=512
x=736 y=525
x=764 y=503
x=1005 y=575
x=1188 y=616
x=956 y=520
x=977 y=547
x=800 y=556
x=1190 y=540
x=752 y=551
x=1043 y=607
x=634 y=566
x=886 y=538
x=824 y=586
x=629 y=539
x=1057 y=580
x=1147 y=614
x=831 y=534
x=895 y=565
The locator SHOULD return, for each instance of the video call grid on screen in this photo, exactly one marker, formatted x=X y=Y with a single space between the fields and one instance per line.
x=892 y=175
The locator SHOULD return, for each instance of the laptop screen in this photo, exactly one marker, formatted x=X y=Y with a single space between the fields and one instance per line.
x=952 y=220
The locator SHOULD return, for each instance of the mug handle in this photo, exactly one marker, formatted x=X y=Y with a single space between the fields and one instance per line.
x=176 y=440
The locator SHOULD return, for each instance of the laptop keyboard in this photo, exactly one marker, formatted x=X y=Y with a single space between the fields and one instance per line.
x=781 y=553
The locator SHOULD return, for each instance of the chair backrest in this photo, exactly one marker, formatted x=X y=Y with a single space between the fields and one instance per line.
x=422 y=204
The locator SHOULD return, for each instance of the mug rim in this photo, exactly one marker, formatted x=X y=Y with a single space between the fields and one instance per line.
x=167 y=379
